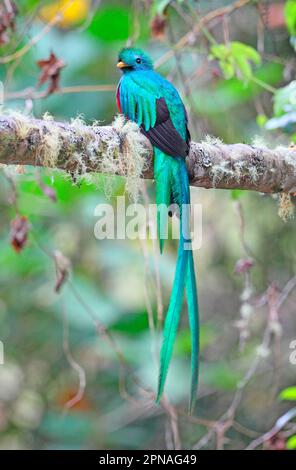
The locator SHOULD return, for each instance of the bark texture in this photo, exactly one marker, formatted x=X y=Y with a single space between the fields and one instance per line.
x=78 y=148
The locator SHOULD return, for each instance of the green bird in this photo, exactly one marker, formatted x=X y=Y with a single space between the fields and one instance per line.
x=154 y=104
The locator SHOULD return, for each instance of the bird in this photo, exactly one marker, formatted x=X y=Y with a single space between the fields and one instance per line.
x=147 y=98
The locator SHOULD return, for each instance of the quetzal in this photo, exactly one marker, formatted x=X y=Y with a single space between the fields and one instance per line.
x=154 y=104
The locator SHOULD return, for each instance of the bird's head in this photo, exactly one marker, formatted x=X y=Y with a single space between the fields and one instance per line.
x=130 y=59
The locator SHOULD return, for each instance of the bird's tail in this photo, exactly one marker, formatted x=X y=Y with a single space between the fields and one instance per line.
x=172 y=185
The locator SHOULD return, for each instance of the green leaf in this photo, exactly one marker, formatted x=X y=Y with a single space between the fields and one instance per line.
x=261 y=120
x=285 y=99
x=227 y=69
x=131 y=324
x=236 y=58
x=241 y=49
x=290 y=16
x=116 y=15
x=244 y=69
x=219 y=52
x=284 y=109
x=288 y=394
x=291 y=443
x=237 y=193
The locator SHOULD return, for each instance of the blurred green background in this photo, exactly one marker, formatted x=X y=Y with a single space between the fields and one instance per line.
x=54 y=342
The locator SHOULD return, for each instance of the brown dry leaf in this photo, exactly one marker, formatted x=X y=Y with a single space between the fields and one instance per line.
x=272 y=15
x=50 y=72
x=19 y=232
x=63 y=266
x=8 y=13
x=158 y=26
x=277 y=442
x=66 y=395
x=243 y=265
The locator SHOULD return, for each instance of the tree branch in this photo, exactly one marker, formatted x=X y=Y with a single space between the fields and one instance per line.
x=76 y=147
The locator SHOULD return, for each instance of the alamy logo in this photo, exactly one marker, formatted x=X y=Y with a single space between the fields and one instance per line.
x=1 y=353
x=136 y=221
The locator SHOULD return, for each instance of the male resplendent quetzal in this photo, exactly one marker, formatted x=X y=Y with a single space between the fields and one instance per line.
x=154 y=104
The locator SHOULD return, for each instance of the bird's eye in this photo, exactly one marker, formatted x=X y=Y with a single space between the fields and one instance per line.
x=138 y=60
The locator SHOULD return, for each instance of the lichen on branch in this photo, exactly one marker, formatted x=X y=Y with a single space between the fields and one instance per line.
x=120 y=149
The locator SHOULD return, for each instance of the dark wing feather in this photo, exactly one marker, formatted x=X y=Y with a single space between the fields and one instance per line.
x=188 y=136
x=162 y=111
x=164 y=134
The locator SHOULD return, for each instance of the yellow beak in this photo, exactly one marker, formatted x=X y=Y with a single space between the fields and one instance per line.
x=121 y=64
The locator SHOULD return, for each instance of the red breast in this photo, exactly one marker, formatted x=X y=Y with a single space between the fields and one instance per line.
x=118 y=99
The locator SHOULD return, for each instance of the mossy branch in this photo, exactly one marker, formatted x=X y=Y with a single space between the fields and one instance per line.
x=121 y=149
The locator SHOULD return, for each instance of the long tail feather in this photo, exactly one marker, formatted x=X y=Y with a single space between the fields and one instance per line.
x=178 y=189
x=191 y=295
x=172 y=318
x=176 y=299
x=162 y=175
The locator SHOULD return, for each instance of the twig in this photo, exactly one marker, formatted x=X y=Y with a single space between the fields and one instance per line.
x=30 y=93
x=280 y=424
x=74 y=364
x=174 y=426
x=227 y=10
x=289 y=287
x=21 y=52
